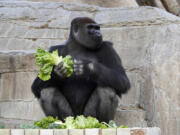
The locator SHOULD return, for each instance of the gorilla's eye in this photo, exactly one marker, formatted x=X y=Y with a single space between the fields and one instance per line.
x=75 y=28
x=97 y=27
x=90 y=26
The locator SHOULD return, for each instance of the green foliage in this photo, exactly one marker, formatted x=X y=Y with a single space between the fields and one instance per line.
x=46 y=60
x=112 y=124
x=45 y=122
x=54 y=126
x=2 y=126
x=28 y=126
x=68 y=63
x=123 y=126
x=80 y=122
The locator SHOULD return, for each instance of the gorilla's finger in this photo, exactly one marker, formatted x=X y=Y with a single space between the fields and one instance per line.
x=77 y=61
x=60 y=65
x=78 y=73
x=78 y=66
x=65 y=71
x=58 y=73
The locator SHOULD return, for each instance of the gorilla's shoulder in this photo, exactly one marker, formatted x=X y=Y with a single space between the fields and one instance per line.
x=56 y=47
x=106 y=46
x=107 y=43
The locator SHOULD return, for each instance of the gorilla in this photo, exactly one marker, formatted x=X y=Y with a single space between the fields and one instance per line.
x=98 y=78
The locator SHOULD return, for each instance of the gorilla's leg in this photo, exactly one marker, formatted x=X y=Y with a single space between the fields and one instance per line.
x=54 y=103
x=102 y=104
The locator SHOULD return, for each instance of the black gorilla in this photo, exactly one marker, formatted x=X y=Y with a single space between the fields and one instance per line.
x=98 y=78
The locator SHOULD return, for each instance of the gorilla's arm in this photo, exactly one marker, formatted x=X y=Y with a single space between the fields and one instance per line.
x=109 y=71
x=38 y=84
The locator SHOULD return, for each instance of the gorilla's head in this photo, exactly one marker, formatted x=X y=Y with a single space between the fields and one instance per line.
x=86 y=32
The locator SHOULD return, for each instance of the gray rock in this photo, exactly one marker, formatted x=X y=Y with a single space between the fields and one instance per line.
x=146 y=38
x=22 y=110
x=17 y=86
x=16 y=61
x=131 y=117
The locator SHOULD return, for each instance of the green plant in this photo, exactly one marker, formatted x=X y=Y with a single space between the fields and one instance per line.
x=2 y=126
x=28 y=126
x=46 y=60
x=45 y=122
x=80 y=122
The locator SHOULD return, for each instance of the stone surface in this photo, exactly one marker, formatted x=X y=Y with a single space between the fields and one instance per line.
x=146 y=38
x=31 y=132
x=17 y=86
x=110 y=131
x=4 y=131
x=160 y=92
x=46 y=132
x=22 y=110
x=103 y=3
x=153 y=131
x=125 y=131
x=14 y=123
x=16 y=61
x=137 y=132
x=119 y=131
x=131 y=117
x=17 y=132
x=61 y=132
x=92 y=131
x=76 y=132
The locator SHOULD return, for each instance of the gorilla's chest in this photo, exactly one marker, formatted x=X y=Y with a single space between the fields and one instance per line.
x=86 y=55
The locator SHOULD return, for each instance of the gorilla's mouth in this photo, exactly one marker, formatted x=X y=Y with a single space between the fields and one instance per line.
x=98 y=40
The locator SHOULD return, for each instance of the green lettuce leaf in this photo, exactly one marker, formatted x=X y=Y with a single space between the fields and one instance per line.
x=46 y=60
x=45 y=122
x=70 y=122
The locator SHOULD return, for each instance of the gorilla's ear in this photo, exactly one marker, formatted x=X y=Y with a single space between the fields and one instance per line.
x=75 y=28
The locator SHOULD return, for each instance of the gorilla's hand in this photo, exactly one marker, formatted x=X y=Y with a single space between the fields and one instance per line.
x=60 y=70
x=85 y=67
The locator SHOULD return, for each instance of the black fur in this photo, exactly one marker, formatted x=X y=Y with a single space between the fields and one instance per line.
x=98 y=79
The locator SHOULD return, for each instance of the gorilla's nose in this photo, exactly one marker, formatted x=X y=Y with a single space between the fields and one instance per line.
x=98 y=34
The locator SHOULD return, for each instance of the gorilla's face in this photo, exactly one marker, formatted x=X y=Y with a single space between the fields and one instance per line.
x=88 y=35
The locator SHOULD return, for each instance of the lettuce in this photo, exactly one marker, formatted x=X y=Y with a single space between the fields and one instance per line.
x=46 y=60
x=79 y=122
x=45 y=122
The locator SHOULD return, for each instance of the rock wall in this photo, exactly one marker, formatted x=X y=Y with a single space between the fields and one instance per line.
x=146 y=38
x=101 y=3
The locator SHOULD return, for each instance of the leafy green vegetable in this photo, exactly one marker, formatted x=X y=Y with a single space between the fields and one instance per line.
x=28 y=126
x=70 y=122
x=46 y=60
x=68 y=63
x=112 y=124
x=45 y=122
x=80 y=122
x=2 y=126
x=53 y=126
x=123 y=126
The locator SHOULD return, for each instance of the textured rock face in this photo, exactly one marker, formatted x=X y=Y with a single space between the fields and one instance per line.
x=102 y=3
x=147 y=39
